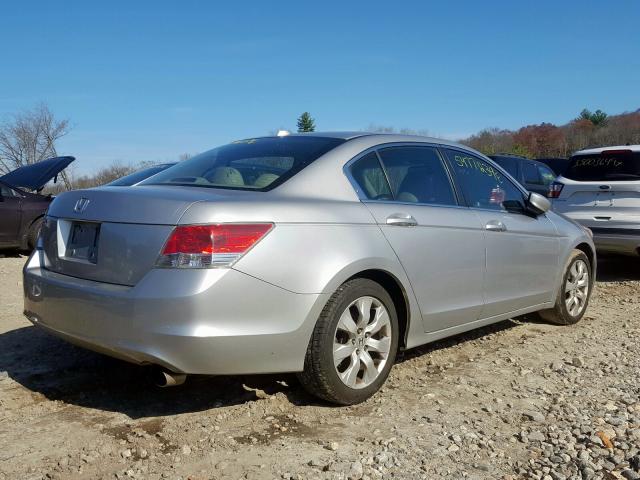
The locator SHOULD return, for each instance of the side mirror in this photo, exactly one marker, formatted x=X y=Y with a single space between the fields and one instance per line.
x=537 y=204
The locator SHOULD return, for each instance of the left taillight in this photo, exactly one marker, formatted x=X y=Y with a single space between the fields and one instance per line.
x=555 y=189
x=210 y=246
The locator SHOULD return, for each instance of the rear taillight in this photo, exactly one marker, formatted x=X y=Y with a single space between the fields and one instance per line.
x=555 y=189
x=210 y=246
x=604 y=153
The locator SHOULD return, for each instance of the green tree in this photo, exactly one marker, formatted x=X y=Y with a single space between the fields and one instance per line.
x=598 y=118
x=306 y=123
x=521 y=150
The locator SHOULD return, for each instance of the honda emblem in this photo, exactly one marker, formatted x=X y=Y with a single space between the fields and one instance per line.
x=81 y=205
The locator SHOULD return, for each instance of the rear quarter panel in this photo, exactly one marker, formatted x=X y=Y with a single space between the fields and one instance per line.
x=313 y=240
x=316 y=258
x=315 y=246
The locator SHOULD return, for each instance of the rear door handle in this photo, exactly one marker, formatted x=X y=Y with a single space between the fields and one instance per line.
x=401 y=220
x=495 y=226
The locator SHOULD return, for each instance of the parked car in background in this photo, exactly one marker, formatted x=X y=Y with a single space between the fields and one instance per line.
x=601 y=190
x=558 y=165
x=321 y=254
x=139 y=175
x=533 y=175
x=21 y=211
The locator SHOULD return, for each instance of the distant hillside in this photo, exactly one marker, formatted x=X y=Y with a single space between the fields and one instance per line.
x=590 y=129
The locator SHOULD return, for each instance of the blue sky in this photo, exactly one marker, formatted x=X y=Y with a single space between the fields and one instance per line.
x=151 y=80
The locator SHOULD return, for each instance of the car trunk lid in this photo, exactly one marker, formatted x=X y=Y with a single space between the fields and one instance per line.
x=602 y=194
x=142 y=205
x=115 y=234
x=36 y=175
x=602 y=189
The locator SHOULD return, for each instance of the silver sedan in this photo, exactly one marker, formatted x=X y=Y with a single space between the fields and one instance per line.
x=321 y=254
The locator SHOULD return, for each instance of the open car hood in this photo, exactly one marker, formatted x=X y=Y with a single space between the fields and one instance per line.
x=36 y=175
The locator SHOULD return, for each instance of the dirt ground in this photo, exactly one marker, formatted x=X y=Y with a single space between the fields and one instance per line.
x=520 y=399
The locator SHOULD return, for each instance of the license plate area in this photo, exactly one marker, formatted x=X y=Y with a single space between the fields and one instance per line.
x=604 y=199
x=82 y=243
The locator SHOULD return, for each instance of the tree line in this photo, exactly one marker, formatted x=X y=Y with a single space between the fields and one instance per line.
x=546 y=140
x=32 y=135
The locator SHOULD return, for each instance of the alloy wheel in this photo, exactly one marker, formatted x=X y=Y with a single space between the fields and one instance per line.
x=362 y=342
x=576 y=288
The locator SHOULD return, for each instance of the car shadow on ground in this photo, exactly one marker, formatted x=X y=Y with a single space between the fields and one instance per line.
x=60 y=371
x=618 y=269
x=459 y=339
x=48 y=366
x=12 y=254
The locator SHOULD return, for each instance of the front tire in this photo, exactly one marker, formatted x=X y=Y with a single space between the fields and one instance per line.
x=574 y=292
x=353 y=345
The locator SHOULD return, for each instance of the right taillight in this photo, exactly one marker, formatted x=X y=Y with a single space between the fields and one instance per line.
x=210 y=246
x=555 y=189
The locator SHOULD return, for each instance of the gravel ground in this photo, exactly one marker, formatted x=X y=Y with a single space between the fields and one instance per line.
x=520 y=399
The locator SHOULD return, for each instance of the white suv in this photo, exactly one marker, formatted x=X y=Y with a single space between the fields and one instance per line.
x=601 y=190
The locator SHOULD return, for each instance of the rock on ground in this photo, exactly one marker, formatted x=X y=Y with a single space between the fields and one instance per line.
x=521 y=399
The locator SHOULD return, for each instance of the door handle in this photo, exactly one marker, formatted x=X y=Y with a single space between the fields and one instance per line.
x=401 y=220
x=495 y=226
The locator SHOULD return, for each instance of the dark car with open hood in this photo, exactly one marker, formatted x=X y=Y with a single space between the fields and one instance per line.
x=22 y=207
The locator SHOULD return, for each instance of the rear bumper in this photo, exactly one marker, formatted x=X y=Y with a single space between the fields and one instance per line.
x=617 y=243
x=624 y=240
x=217 y=321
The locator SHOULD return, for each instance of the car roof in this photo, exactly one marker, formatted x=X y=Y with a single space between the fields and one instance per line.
x=587 y=151
x=379 y=137
x=516 y=157
x=347 y=135
x=507 y=155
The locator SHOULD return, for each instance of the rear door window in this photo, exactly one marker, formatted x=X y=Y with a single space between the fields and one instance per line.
x=368 y=174
x=546 y=174
x=417 y=175
x=531 y=173
x=556 y=165
x=510 y=164
x=7 y=192
x=610 y=165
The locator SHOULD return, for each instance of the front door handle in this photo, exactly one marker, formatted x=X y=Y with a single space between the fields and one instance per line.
x=401 y=220
x=495 y=226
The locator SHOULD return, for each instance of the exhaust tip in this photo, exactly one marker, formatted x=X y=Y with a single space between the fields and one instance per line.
x=164 y=378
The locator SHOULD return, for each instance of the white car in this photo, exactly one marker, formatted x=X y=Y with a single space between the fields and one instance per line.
x=601 y=190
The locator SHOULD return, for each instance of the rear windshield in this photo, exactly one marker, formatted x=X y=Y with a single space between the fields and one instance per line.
x=138 y=176
x=252 y=164
x=609 y=165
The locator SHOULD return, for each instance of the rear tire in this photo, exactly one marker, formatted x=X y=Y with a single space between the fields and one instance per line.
x=574 y=292
x=34 y=231
x=353 y=345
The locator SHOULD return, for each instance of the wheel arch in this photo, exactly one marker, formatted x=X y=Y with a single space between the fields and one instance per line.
x=398 y=294
x=590 y=252
x=24 y=238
